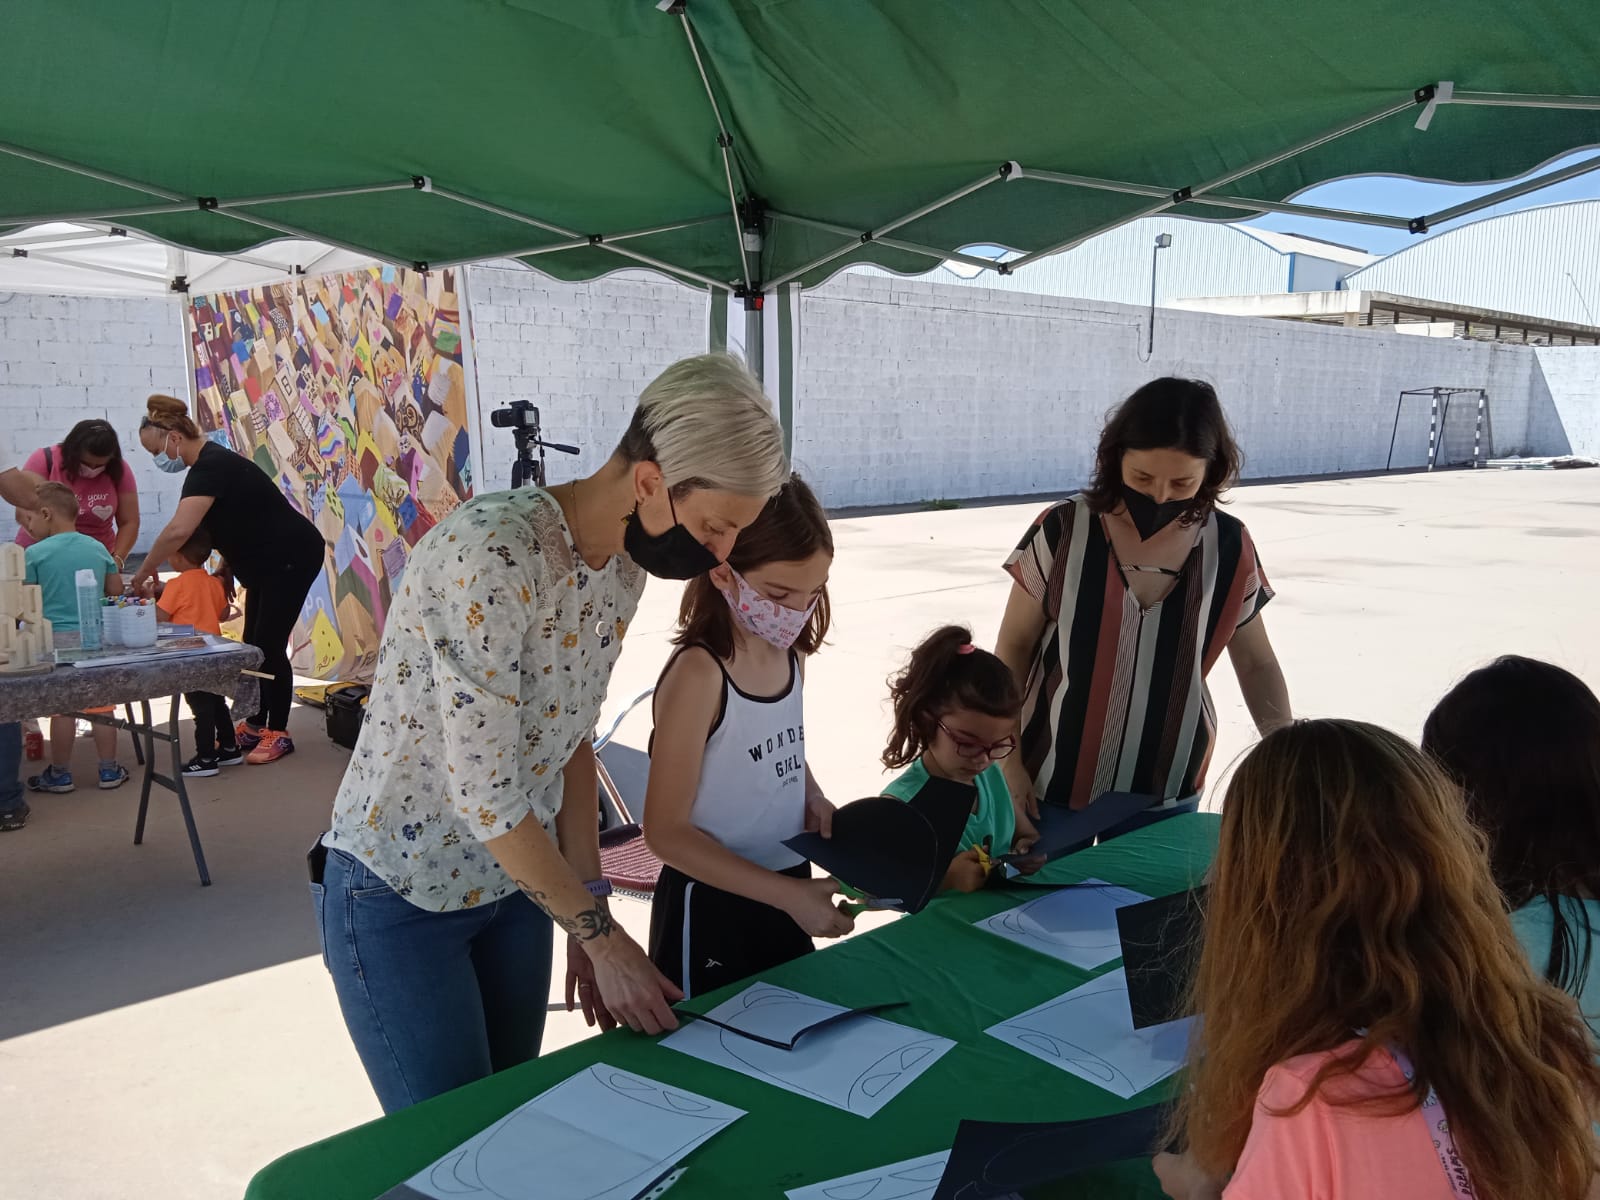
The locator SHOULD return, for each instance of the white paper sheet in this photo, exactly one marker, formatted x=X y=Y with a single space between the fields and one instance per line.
x=912 y=1179
x=1075 y=925
x=859 y=1064
x=1089 y=1033
x=604 y=1134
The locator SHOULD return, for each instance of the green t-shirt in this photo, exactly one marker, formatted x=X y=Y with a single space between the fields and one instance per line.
x=54 y=565
x=993 y=818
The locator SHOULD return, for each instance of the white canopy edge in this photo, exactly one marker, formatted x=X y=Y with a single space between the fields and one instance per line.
x=103 y=259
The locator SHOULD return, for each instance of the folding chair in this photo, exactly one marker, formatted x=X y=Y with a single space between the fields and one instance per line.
x=624 y=773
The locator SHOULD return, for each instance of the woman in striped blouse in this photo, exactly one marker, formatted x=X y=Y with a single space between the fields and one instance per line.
x=1123 y=598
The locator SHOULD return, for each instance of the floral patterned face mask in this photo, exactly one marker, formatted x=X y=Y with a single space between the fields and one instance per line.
x=767 y=619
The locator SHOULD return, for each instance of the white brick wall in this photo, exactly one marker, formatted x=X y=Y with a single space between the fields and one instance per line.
x=581 y=352
x=910 y=391
x=64 y=359
x=907 y=391
x=1566 y=399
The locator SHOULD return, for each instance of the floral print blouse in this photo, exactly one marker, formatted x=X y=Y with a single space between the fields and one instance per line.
x=494 y=661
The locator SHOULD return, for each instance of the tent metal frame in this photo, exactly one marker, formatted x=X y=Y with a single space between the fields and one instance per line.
x=750 y=216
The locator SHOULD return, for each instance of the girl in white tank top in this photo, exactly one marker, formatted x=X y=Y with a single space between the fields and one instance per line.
x=728 y=775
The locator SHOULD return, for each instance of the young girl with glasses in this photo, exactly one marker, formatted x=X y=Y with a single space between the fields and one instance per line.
x=728 y=775
x=955 y=717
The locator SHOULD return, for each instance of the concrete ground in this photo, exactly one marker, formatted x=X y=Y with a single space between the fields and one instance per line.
x=162 y=1040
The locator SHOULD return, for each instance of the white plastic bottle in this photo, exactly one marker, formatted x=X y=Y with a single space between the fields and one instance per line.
x=90 y=592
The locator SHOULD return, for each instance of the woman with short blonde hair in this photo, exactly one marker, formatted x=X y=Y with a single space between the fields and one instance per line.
x=467 y=822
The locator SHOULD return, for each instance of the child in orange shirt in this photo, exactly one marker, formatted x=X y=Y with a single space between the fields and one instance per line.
x=197 y=597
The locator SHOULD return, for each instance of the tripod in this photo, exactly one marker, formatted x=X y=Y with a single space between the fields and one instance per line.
x=522 y=418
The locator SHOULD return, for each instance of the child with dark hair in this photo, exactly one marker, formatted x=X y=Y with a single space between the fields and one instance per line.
x=1522 y=738
x=955 y=717
x=728 y=775
x=202 y=599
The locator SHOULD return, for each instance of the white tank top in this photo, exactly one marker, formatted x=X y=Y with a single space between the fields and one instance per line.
x=752 y=791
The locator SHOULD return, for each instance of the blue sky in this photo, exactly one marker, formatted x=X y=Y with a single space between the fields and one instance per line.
x=1410 y=198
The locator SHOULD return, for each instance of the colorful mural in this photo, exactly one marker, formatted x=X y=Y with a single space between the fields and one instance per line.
x=349 y=391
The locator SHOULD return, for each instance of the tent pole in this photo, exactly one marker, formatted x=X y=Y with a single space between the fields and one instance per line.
x=599 y=240
x=987 y=264
x=754 y=358
x=1006 y=171
x=1519 y=100
x=725 y=144
x=578 y=243
x=1242 y=202
x=97 y=236
x=1507 y=193
x=49 y=160
x=62 y=261
x=1185 y=195
x=209 y=204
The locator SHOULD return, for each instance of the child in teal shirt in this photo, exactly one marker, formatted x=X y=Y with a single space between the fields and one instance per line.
x=955 y=717
x=54 y=561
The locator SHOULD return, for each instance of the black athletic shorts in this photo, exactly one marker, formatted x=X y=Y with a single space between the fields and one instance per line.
x=721 y=937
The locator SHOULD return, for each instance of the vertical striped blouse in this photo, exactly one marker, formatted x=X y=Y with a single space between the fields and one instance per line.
x=1117 y=700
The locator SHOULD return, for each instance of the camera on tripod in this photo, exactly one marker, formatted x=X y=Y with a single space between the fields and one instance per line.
x=522 y=418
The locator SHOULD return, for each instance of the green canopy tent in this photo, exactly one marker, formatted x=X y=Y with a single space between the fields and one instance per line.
x=745 y=145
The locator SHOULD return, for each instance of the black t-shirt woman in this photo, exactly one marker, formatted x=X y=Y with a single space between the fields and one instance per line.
x=275 y=553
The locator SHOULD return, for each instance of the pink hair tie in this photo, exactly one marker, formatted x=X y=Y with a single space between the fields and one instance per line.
x=967 y=649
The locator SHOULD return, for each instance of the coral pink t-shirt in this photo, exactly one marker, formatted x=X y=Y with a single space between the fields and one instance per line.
x=1334 y=1152
x=97 y=497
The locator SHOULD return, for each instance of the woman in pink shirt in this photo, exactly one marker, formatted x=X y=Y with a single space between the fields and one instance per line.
x=89 y=461
x=1371 y=1029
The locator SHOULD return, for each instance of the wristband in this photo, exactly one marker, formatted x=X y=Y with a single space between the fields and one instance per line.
x=598 y=888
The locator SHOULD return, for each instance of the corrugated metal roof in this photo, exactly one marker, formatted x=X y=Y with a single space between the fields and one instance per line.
x=1295 y=243
x=1206 y=258
x=1541 y=262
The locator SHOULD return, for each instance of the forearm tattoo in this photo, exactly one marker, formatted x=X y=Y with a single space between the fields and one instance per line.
x=587 y=925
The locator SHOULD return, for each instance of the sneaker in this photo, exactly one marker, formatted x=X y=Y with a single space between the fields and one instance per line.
x=229 y=756
x=272 y=746
x=247 y=738
x=201 y=768
x=14 y=819
x=113 y=776
x=52 y=780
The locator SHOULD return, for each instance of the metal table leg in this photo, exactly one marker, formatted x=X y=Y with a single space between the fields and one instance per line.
x=146 y=731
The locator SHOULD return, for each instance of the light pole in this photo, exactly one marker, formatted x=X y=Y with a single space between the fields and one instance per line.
x=1163 y=240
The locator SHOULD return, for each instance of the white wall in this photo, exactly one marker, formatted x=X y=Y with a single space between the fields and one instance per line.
x=911 y=391
x=1567 y=398
x=64 y=359
x=906 y=391
x=582 y=352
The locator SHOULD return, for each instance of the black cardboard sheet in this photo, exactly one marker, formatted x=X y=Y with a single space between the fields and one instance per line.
x=894 y=851
x=1160 y=946
x=997 y=1158
x=1062 y=829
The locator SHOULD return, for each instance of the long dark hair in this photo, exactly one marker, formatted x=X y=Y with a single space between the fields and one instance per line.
x=1167 y=414
x=791 y=528
x=95 y=437
x=944 y=673
x=1522 y=738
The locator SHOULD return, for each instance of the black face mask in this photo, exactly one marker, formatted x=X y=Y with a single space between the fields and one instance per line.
x=1148 y=517
x=675 y=554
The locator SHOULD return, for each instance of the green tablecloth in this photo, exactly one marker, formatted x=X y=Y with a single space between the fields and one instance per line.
x=958 y=981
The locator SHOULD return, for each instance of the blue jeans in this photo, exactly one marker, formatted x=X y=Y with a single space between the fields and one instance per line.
x=433 y=1000
x=11 y=767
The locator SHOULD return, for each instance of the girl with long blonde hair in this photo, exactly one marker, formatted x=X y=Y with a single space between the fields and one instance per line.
x=1371 y=1028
